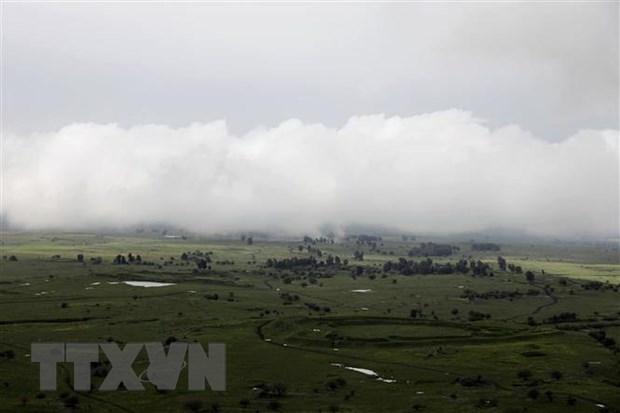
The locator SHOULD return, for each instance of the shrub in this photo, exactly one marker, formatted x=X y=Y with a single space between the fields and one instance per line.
x=533 y=394
x=193 y=405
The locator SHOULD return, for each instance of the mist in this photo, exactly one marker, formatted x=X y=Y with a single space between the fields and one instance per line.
x=440 y=172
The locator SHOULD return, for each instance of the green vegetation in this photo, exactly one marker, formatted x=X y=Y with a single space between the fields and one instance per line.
x=445 y=325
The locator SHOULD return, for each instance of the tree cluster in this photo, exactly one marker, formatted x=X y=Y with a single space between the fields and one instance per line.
x=130 y=259
x=485 y=246
x=300 y=263
x=430 y=249
x=427 y=266
x=564 y=317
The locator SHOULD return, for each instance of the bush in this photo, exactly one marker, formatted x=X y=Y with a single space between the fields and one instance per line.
x=477 y=316
x=533 y=394
x=471 y=381
x=193 y=405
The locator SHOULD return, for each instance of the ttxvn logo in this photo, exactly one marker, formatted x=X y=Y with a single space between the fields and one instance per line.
x=163 y=370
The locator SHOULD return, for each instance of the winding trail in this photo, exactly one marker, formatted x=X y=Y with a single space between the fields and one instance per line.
x=554 y=301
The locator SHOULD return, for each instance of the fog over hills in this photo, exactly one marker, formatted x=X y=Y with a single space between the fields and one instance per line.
x=441 y=172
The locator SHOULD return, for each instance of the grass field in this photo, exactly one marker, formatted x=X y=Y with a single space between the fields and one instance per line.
x=297 y=330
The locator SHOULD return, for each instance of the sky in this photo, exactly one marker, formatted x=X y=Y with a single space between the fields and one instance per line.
x=442 y=117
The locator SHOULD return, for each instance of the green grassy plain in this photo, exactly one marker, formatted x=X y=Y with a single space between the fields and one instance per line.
x=439 y=361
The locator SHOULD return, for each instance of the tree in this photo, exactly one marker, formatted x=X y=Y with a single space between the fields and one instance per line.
x=120 y=259
x=502 y=263
x=201 y=263
x=529 y=276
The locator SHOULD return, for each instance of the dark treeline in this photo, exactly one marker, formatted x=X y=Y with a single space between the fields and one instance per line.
x=201 y=259
x=295 y=263
x=364 y=239
x=430 y=249
x=485 y=246
x=565 y=317
x=498 y=294
x=320 y=240
x=427 y=266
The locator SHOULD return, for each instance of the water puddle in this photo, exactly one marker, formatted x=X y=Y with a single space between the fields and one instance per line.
x=145 y=284
x=367 y=372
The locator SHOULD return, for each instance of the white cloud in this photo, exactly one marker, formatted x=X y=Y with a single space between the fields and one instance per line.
x=438 y=172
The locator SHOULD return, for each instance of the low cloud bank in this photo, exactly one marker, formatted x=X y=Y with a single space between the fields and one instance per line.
x=441 y=172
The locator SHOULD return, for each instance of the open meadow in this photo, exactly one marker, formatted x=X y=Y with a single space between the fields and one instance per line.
x=363 y=324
